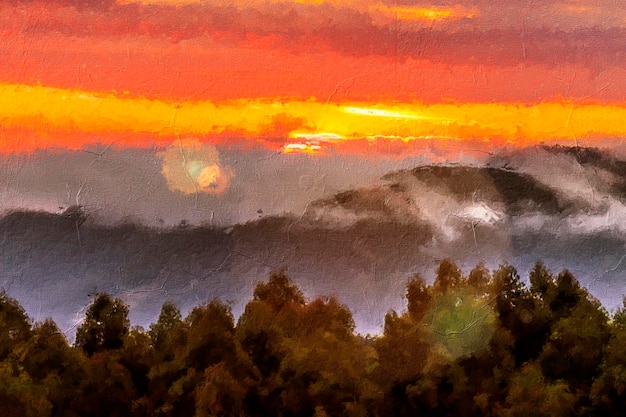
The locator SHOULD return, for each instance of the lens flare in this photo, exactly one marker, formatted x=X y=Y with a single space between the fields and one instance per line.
x=192 y=167
x=463 y=321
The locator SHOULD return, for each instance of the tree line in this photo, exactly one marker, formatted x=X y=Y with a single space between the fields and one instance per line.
x=481 y=344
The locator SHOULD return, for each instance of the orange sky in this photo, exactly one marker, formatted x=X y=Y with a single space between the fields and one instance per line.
x=282 y=74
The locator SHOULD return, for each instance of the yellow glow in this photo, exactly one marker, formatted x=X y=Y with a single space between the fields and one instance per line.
x=208 y=176
x=577 y=8
x=316 y=2
x=242 y=4
x=407 y=139
x=320 y=137
x=406 y=13
x=71 y=118
x=423 y=13
x=162 y=2
x=384 y=113
x=192 y=167
x=307 y=148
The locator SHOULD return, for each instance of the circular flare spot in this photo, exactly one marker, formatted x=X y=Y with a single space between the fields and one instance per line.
x=212 y=179
x=192 y=167
x=195 y=168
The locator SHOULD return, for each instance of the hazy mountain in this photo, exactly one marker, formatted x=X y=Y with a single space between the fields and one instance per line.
x=562 y=205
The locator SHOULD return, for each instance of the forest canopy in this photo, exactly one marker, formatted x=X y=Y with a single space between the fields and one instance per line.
x=478 y=344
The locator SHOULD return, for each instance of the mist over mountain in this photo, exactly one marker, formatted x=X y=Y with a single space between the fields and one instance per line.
x=563 y=205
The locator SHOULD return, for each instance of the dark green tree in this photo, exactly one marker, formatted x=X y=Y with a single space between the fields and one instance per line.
x=575 y=347
x=530 y=394
x=418 y=297
x=609 y=389
x=47 y=353
x=105 y=325
x=209 y=342
x=15 y=327
x=168 y=333
x=448 y=276
x=479 y=277
x=507 y=290
x=565 y=295
x=20 y=395
x=210 y=338
x=279 y=291
x=107 y=388
x=541 y=281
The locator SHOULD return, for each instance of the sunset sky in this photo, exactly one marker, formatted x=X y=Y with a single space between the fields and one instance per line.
x=300 y=76
x=188 y=80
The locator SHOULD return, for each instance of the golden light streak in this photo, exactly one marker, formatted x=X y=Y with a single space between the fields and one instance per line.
x=577 y=8
x=405 y=13
x=161 y=2
x=243 y=4
x=424 y=13
x=407 y=139
x=308 y=148
x=72 y=119
x=320 y=137
x=385 y=113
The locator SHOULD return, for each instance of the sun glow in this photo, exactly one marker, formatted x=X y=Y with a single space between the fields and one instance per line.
x=385 y=113
x=34 y=117
x=311 y=148
x=320 y=137
x=424 y=13
x=192 y=167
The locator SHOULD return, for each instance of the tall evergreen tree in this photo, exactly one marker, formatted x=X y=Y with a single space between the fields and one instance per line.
x=105 y=325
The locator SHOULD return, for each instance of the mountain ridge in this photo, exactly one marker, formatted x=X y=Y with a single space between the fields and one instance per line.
x=360 y=245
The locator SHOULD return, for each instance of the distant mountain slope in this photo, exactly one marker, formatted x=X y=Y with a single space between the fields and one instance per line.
x=518 y=192
x=571 y=169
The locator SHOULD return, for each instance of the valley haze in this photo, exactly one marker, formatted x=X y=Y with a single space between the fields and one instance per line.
x=345 y=227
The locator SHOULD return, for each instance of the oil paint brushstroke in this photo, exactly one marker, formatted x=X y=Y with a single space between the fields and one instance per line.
x=204 y=169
